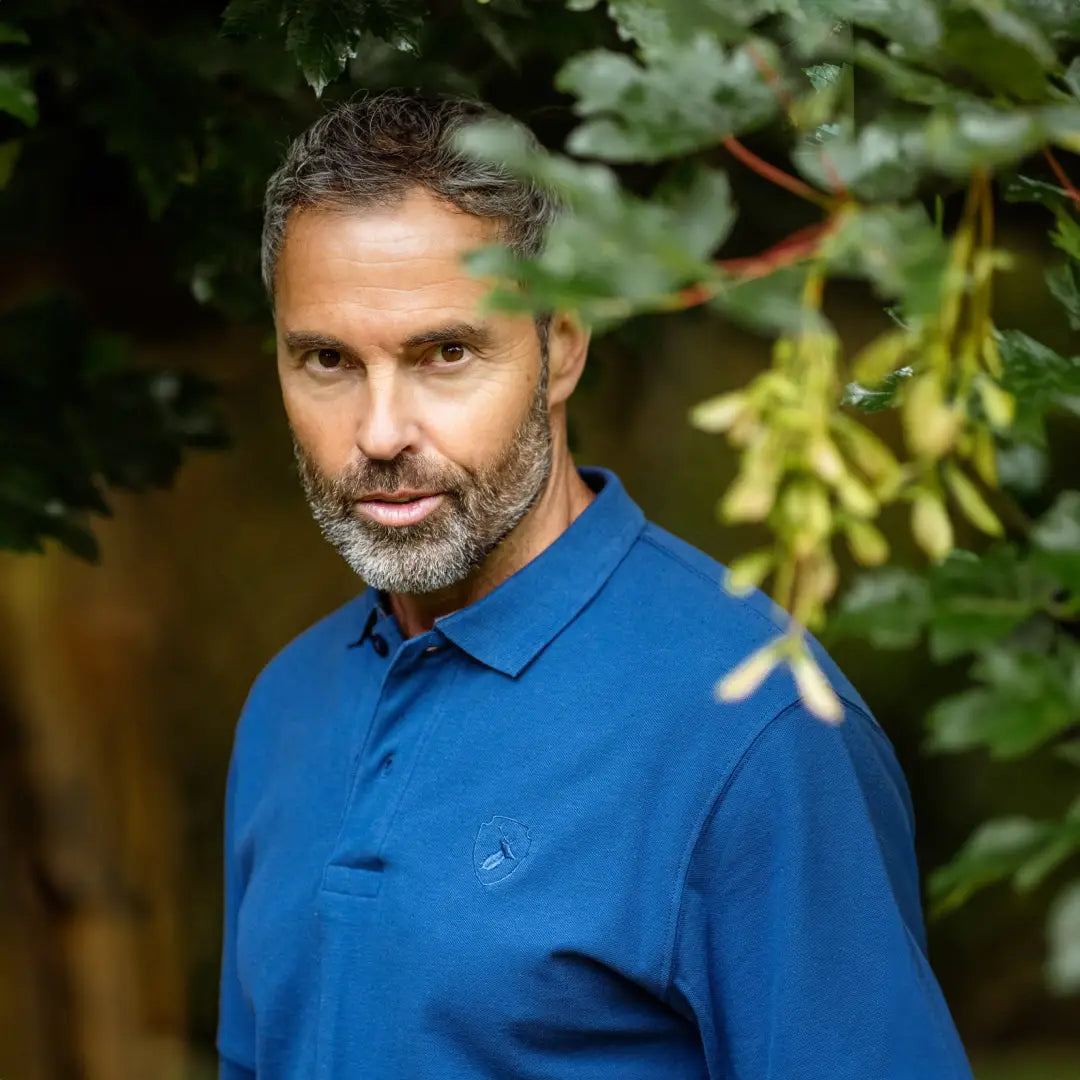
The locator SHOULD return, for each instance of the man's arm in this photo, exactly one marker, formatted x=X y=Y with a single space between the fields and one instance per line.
x=236 y=1024
x=800 y=947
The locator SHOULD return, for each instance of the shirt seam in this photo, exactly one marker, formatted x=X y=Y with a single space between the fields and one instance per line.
x=712 y=809
x=226 y=1052
x=644 y=537
x=937 y=1021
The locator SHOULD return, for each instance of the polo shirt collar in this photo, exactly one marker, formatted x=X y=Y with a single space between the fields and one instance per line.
x=511 y=625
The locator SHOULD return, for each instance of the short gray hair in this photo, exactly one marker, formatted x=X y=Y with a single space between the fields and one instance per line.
x=371 y=152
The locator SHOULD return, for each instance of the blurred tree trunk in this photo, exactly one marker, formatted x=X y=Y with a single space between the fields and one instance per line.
x=92 y=829
x=35 y=993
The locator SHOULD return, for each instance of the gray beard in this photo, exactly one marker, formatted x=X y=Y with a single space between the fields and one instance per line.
x=479 y=509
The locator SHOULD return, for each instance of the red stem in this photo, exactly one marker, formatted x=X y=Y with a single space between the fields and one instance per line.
x=791 y=249
x=772 y=77
x=1062 y=176
x=799 y=245
x=772 y=173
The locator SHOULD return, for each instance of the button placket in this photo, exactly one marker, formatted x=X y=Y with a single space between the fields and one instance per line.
x=407 y=708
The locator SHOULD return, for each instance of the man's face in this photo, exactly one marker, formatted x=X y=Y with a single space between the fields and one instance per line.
x=421 y=430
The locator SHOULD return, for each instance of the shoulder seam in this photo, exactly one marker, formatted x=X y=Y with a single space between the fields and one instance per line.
x=711 y=811
x=644 y=537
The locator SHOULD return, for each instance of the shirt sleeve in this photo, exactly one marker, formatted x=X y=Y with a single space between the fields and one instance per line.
x=236 y=1023
x=800 y=949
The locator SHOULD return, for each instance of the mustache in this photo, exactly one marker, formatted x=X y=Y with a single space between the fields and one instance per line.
x=362 y=478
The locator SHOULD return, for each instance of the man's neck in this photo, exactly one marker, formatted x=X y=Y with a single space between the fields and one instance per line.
x=564 y=497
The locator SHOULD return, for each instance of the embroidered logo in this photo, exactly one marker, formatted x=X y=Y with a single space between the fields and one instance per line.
x=501 y=845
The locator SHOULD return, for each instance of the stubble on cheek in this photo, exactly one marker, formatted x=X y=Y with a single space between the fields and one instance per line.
x=481 y=506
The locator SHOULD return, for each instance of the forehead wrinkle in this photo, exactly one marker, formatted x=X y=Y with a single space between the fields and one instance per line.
x=378 y=276
x=405 y=223
x=361 y=275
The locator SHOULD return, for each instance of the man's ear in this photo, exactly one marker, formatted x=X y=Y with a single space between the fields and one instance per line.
x=568 y=345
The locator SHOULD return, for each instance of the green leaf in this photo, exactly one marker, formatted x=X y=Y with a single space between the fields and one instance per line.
x=979 y=135
x=967 y=603
x=612 y=253
x=17 y=97
x=683 y=100
x=889 y=608
x=824 y=75
x=1034 y=369
x=649 y=24
x=77 y=415
x=1068 y=749
x=1056 y=538
x=979 y=600
x=1060 y=124
x=1064 y=284
x=770 y=304
x=915 y=24
x=877 y=398
x=1043 y=863
x=1063 y=937
x=253 y=16
x=1072 y=75
x=1004 y=51
x=898 y=249
x=881 y=164
x=656 y=25
x=1054 y=18
x=1016 y=188
x=1027 y=699
x=323 y=35
x=992 y=853
x=1067 y=235
x=908 y=83
x=1021 y=467
x=13 y=35
x=322 y=40
x=1059 y=528
x=702 y=212
x=1039 y=378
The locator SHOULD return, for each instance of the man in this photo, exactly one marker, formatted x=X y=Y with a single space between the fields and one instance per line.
x=487 y=821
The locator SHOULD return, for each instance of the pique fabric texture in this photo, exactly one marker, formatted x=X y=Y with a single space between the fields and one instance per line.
x=530 y=844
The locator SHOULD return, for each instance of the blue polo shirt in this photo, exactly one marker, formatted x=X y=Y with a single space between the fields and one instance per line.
x=529 y=844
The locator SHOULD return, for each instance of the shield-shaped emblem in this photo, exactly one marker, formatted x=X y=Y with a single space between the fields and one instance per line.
x=501 y=845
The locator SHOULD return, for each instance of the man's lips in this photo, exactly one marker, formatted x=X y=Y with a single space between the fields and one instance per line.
x=398 y=507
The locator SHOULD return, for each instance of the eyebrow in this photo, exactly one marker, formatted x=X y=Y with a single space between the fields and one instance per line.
x=298 y=340
x=478 y=336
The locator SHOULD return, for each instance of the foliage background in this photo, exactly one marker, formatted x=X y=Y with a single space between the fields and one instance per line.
x=132 y=155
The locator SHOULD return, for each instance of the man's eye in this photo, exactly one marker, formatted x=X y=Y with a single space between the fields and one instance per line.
x=325 y=359
x=450 y=353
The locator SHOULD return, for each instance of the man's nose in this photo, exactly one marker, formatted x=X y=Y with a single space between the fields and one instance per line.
x=385 y=426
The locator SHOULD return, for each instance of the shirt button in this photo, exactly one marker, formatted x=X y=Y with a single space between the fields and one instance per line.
x=387 y=764
x=378 y=643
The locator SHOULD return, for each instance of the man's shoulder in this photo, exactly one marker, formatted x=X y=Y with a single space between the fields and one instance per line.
x=709 y=630
x=680 y=584
x=305 y=658
x=677 y=591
